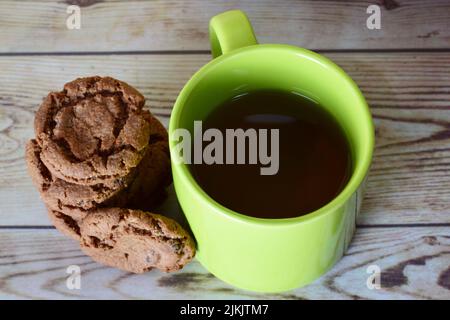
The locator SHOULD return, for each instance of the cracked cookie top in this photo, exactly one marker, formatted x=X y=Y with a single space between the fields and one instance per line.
x=92 y=131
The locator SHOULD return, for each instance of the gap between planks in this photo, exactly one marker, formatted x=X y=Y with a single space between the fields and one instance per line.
x=188 y=52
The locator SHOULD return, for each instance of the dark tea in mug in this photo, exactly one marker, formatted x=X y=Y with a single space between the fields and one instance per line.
x=314 y=157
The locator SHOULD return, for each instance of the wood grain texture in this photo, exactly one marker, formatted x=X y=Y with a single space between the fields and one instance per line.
x=414 y=263
x=40 y=26
x=409 y=95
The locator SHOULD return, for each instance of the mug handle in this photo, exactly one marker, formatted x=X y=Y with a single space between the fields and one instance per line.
x=230 y=30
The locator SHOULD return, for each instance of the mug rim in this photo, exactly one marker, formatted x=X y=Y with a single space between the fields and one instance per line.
x=352 y=185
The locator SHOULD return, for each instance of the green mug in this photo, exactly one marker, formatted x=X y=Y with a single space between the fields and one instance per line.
x=269 y=255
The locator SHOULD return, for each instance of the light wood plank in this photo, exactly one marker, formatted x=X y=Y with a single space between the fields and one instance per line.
x=414 y=263
x=40 y=26
x=409 y=94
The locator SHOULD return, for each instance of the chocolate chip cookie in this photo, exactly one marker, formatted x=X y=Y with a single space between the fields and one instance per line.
x=99 y=160
x=57 y=193
x=135 y=241
x=136 y=189
x=93 y=131
x=65 y=207
x=154 y=174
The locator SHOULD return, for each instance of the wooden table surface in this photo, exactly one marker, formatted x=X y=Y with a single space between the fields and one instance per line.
x=403 y=70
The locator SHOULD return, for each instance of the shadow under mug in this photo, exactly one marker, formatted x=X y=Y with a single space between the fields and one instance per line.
x=270 y=255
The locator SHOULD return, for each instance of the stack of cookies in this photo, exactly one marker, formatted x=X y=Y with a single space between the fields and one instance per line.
x=99 y=161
